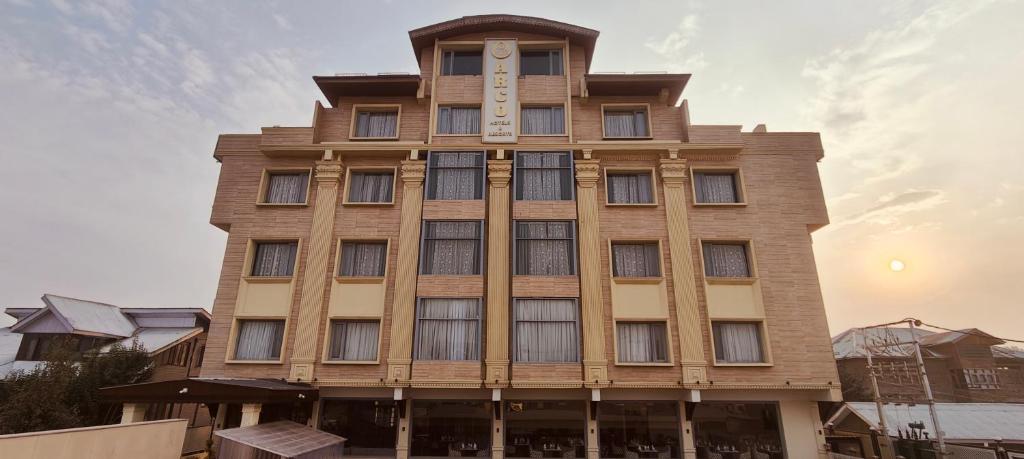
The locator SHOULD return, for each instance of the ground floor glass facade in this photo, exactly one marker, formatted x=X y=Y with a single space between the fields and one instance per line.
x=451 y=428
x=370 y=426
x=737 y=430
x=545 y=428
x=636 y=429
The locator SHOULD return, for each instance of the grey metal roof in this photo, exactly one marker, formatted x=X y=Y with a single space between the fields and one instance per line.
x=847 y=345
x=9 y=344
x=284 y=438
x=156 y=339
x=960 y=421
x=90 y=316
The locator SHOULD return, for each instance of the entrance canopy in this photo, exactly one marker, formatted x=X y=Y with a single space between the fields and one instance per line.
x=210 y=390
x=283 y=439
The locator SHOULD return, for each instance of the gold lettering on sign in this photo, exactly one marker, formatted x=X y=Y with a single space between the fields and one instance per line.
x=500 y=91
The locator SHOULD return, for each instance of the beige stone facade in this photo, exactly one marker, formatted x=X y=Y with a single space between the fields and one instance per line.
x=775 y=180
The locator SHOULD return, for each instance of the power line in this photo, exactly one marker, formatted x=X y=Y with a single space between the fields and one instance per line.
x=966 y=332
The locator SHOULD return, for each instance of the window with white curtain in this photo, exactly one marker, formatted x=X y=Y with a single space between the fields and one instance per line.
x=716 y=187
x=456 y=175
x=543 y=120
x=630 y=187
x=363 y=259
x=286 y=187
x=626 y=123
x=458 y=120
x=636 y=259
x=451 y=247
x=377 y=124
x=540 y=62
x=546 y=330
x=259 y=339
x=726 y=259
x=642 y=342
x=543 y=176
x=273 y=259
x=371 y=186
x=354 y=340
x=469 y=62
x=545 y=248
x=448 y=329
x=737 y=342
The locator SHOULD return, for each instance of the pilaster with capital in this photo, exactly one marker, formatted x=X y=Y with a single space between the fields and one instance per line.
x=499 y=172
x=595 y=364
x=403 y=308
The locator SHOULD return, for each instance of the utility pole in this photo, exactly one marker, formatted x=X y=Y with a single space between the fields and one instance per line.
x=939 y=435
x=886 y=439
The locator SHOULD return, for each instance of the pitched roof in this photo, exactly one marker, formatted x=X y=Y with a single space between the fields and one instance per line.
x=960 y=421
x=91 y=316
x=155 y=340
x=954 y=336
x=882 y=341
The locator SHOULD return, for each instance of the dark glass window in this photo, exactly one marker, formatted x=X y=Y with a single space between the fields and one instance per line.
x=546 y=428
x=462 y=63
x=451 y=428
x=636 y=429
x=540 y=62
x=369 y=426
x=723 y=429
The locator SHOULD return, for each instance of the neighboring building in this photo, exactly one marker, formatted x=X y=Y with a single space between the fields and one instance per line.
x=507 y=255
x=963 y=366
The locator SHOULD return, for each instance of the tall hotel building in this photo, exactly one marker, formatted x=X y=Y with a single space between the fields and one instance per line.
x=509 y=256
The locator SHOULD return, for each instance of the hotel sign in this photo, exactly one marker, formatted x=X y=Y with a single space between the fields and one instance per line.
x=501 y=100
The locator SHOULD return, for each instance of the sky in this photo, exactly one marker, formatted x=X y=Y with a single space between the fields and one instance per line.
x=109 y=112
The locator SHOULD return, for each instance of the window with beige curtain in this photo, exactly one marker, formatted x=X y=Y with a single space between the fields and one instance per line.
x=642 y=342
x=370 y=186
x=544 y=248
x=273 y=259
x=636 y=259
x=451 y=247
x=626 y=187
x=737 y=342
x=259 y=339
x=458 y=120
x=377 y=123
x=715 y=188
x=448 y=329
x=363 y=259
x=726 y=259
x=546 y=330
x=543 y=120
x=543 y=176
x=286 y=188
x=354 y=340
x=454 y=176
x=626 y=123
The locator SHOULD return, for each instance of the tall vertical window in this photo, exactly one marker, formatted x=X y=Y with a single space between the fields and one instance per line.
x=458 y=120
x=286 y=187
x=737 y=342
x=371 y=186
x=636 y=259
x=634 y=429
x=726 y=259
x=540 y=62
x=545 y=248
x=451 y=247
x=448 y=329
x=543 y=120
x=543 y=176
x=546 y=330
x=455 y=175
x=462 y=63
x=626 y=123
x=716 y=187
x=642 y=342
x=259 y=339
x=273 y=259
x=374 y=124
x=630 y=187
x=363 y=259
x=370 y=426
x=354 y=340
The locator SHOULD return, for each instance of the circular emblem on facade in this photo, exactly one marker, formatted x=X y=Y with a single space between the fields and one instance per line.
x=501 y=50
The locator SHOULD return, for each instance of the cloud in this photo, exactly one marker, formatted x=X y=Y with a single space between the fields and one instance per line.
x=282 y=22
x=675 y=47
x=198 y=72
x=891 y=207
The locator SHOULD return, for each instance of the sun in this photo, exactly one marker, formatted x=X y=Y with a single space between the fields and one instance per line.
x=897 y=266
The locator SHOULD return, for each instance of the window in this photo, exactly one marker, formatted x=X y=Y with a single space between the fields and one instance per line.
x=543 y=120
x=545 y=248
x=370 y=426
x=458 y=120
x=451 y=248
x=540 y=62
x=371 y=186
x=642 y=342
x=259 y=339
x=273 y=259
x=626 y=123
x=448 y=329
x=737 y=342
x=462 y=62
x=376 y=123
x=625 y=187
x=975 y=378
x=354 y=340
x=555 y=427
x=451 y=428
x=455 y=175
x=286 y=188
x=636 y=259
x=716 y=187
x=742 y=429
x=363 y=259
x=637 y=429
x=544 y=176
x=546 y=330
x=726 y=259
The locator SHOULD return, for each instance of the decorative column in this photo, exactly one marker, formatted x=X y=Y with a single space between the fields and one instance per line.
x=684 y=288
x=251 y=414
x=595 y=365
x=403 y=308
x=315 y=276
x=689 y=444
x=133 y=412
x=498 y=173
x=402 y=445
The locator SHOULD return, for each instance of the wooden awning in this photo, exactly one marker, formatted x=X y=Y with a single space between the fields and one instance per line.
x=637 y=84
x=210 y=390
x=337 y=86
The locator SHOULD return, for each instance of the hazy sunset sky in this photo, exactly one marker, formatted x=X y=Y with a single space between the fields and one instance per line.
x=109 y=112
